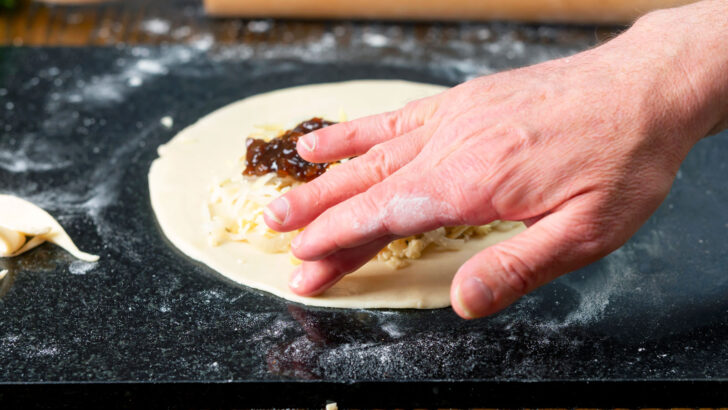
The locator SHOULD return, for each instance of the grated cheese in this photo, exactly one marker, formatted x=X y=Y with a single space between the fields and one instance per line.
x=400 y=252
x=234 y=212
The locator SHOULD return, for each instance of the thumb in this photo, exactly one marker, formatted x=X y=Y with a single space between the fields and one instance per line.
x=499 y=275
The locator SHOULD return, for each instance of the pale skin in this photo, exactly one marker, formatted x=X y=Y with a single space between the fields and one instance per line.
x=583 y=149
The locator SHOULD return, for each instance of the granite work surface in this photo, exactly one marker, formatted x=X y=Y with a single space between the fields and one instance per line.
x=78 y=131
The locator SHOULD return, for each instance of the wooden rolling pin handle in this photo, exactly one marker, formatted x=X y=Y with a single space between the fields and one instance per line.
x=570 y=11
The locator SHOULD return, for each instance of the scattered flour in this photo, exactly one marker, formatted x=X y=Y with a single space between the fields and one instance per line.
x=46 y=351
x=181 y=32
x=81 y=267
x=128 y=73
x=151 y=67
x=259 y=26
x=619 y=277
x=203 y=42
x=392 y=330
x=470 y=51
x=459 y=59
x=167 y=121
x=375 y=39
x=32 y=154
x=156 y=26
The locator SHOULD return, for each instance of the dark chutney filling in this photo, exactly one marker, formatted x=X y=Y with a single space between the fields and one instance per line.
x=279 y=155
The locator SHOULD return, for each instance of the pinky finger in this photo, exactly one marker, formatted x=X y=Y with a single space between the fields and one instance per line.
x=313 y=278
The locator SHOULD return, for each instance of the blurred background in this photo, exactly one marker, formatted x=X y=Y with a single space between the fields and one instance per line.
x=89 y=22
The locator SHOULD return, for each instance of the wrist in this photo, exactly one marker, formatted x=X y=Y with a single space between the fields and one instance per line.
x=686 y=51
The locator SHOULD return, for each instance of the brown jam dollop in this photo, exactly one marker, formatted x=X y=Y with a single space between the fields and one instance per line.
x=279 y=155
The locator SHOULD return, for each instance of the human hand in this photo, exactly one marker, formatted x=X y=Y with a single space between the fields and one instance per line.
x=583 y=149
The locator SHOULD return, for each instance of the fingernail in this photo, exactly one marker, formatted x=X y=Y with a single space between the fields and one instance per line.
x=296 y=278
x=278 y=210
x=296 y=242
x=308 y=141
x=474 y=297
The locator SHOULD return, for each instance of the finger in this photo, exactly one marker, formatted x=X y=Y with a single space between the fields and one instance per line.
x=353 y=138
x=313 y=278
x=400 y=206
x=499 y=275
x=301 y=205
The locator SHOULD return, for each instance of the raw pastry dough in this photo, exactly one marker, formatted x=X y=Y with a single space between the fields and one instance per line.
x=23 y=226
x=179 y=183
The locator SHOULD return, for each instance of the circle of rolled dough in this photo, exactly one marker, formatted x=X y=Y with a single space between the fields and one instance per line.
x=179 y=183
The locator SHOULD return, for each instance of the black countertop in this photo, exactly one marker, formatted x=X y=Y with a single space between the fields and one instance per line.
x=79 y=128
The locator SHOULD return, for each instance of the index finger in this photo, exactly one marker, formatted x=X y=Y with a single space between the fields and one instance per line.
x=356 y=137
x=398 y=206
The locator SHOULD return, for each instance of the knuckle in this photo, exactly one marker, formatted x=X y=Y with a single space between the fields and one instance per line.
x=517 y=137
x=348 y=131
x=379 y=161
x=343 y=178
x=596 y=239
x=591 y=231
x=316 y=189
x=324 y=190
x=592 y=237
x=392 y=123
x=419 y=111
x=585 y=236
x=456 y=201
x=412 y=115
x=514 y=271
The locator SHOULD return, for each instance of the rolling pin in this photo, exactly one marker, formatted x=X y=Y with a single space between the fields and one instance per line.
x=565 y=11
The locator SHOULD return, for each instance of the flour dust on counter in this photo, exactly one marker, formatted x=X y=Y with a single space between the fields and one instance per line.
x=195 y=166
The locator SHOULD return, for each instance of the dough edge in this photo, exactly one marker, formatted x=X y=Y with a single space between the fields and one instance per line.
x=24 y=226
x=204 y=147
